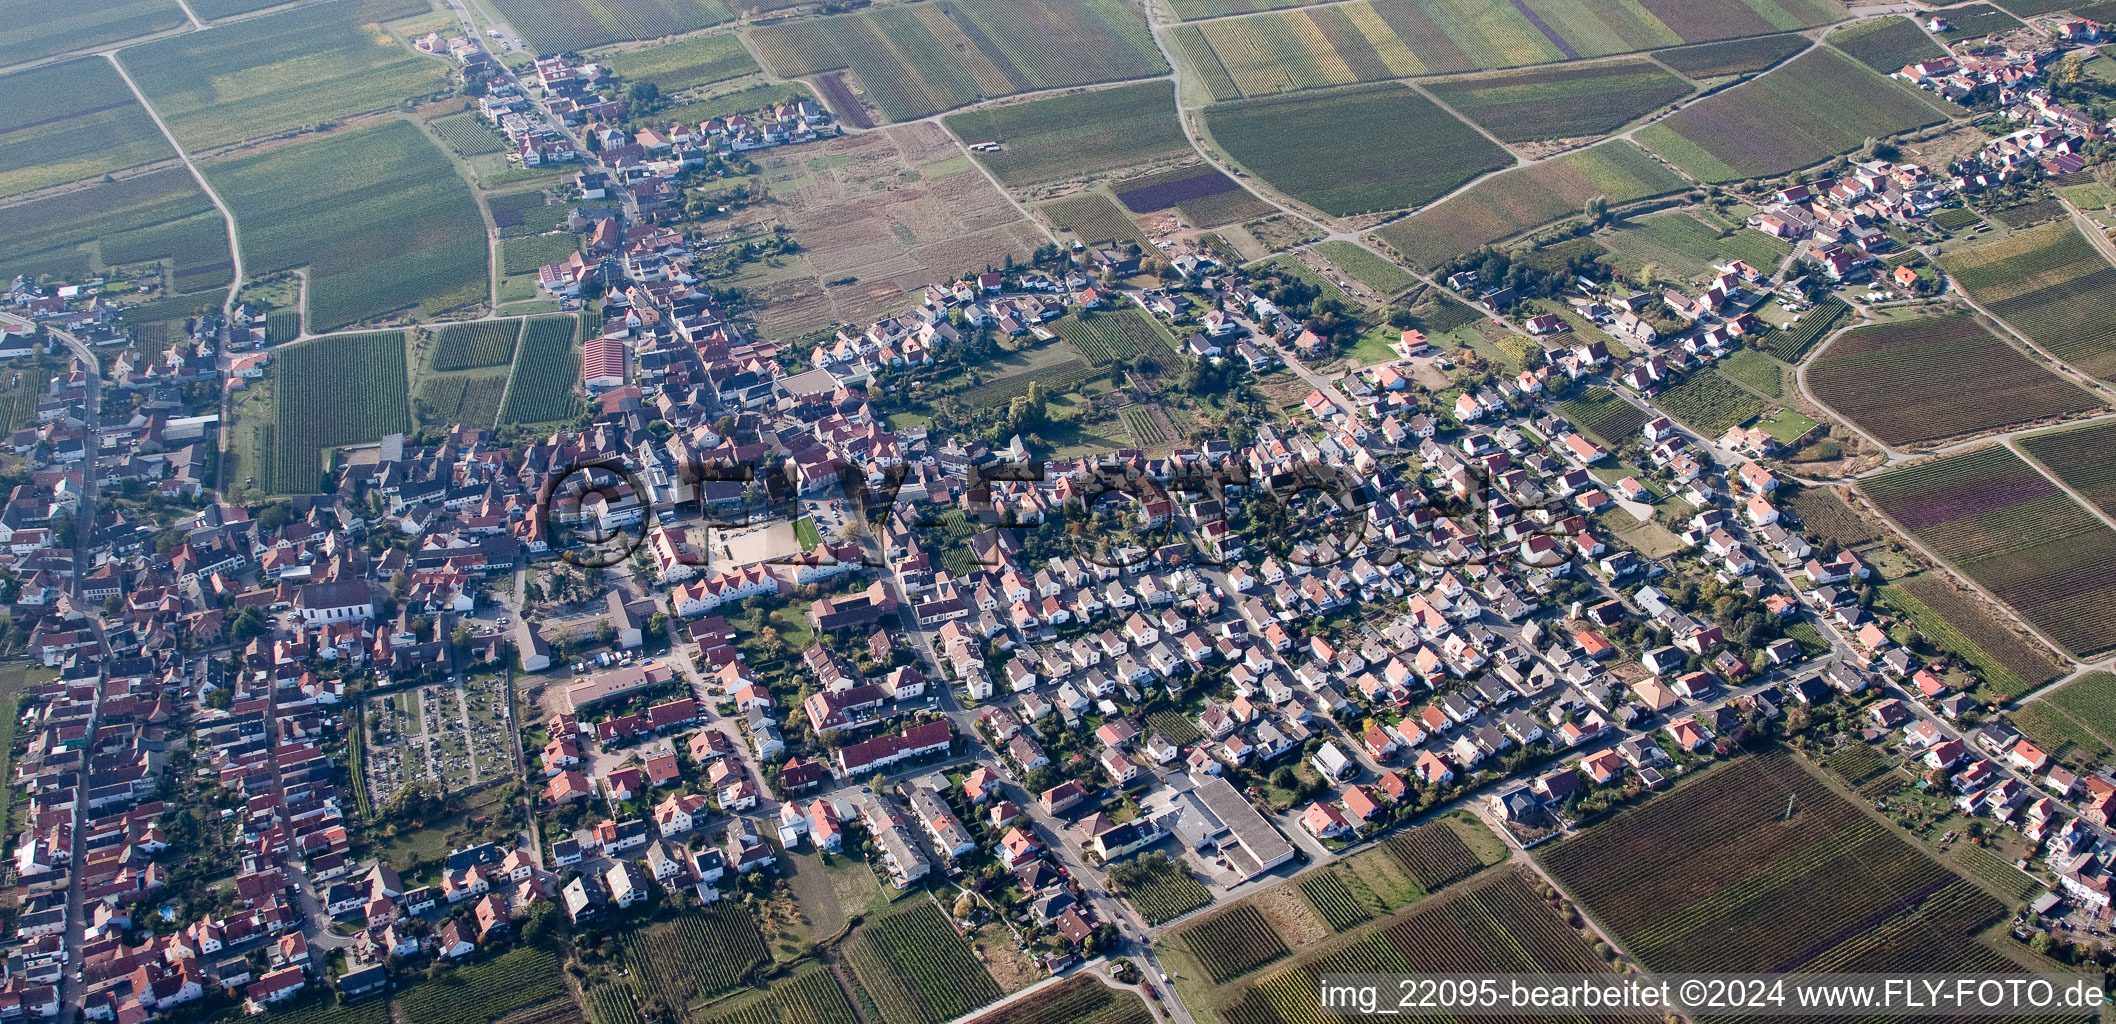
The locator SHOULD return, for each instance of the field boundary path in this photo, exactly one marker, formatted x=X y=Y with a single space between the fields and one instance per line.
x=226 y=214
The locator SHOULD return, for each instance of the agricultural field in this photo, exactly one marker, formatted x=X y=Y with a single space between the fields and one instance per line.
x=1959 y=623
x=877 y=215
x=683 y=64
x=1788 y=345
x=1434 y=854
x=396 y=230
x=1752 y=886
x=23 y=384
x=1856 y=762
x=67 y=122
x=1062 y=138
x=920 y=60
x=1902 y=381
x=1496 y=926
x=2060 y=736
x=1600 y=414
x=553 y=26
x=2083 y=458
x=1886 y=44
x=1092 y=218
x=528 y=254
x=1680 y=245
x=916 y=969
x=2089 y=700
x=468 y=135
x=2050 y=284
x=809 y=997
x=525 y=213
x=473 y=345
x=1825 y=516
x=1734 y=57
x=214 y=10
x=1108 y=336
x=282 y=72
x=472 y=398
x=35 y=29
x=1376 y=881
x=695 y=955
x=1814 y=107
x=1756 y=371
x=1233 y=942
x=1363 y=265
x=1080 y=999
x=1180 y=728
x=1954 y=218
x=2006 y=526
x=1204 y=196
x=520 y=978
x=1379 y=148
x=1167 y=894
x=741 y=101
x=1565 y=102
x=1972 y=20
x=348 y=389
x=546 y=368
x=161 y=215
x=1709 y=403
x=1373 y=40
x=1518 y=200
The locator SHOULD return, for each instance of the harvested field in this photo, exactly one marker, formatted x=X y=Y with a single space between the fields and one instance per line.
x=1734 y=57
x=1092 y=218
x=2083 y=458
x=2011 y=530
x=1806 y=111
x=2053 y=286
x=1564 y=102
x=1066 y=137
x=67 y=122
x=1961 y=624
x=1381 y=148
x=1903 y=382
x=291 y=70
x=917 y=61
x=1749 y=889
x=1529 y=197
x=1886 y=44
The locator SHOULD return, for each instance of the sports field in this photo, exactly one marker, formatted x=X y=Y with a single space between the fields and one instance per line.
x=66 y=122
x=1814 y=107
x=32 y=29
x=1066 y=137
x=1529 y=197
x=1378 y=148
x=1562 y=102
x=285 y=71
x=378 y=216
x=2051 y=284
x=918 y=60
x=1372 y=40
x=162 y=215
x=1918 y=380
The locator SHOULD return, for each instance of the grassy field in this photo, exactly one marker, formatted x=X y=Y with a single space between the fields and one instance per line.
x=1380 y=148
x=162 y=215
x=920 y=60
x=683 y=64
x=393 y=229
x=1886 y=44
x=1681 y=245
x=1734 y=57
x=1368 y=268
x=331 y=392
x=1816 y=106
x=1561 y=102
x=1756 y=371
x=2002 y=524
x=33 y=29
x=2050 y=284
x=546 y=370
x=292 y=70
x=1093 y=218
x=1529 y=197
x=1065 y=137
x=1902 y=382
x=71 y=121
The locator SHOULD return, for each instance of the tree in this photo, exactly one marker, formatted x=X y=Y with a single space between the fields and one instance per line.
x=249 y=625
x=1598 y=210
x=462 y=635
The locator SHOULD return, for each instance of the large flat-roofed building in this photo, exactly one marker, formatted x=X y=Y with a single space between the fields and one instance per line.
x=1254 y=847
x=618 y=682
